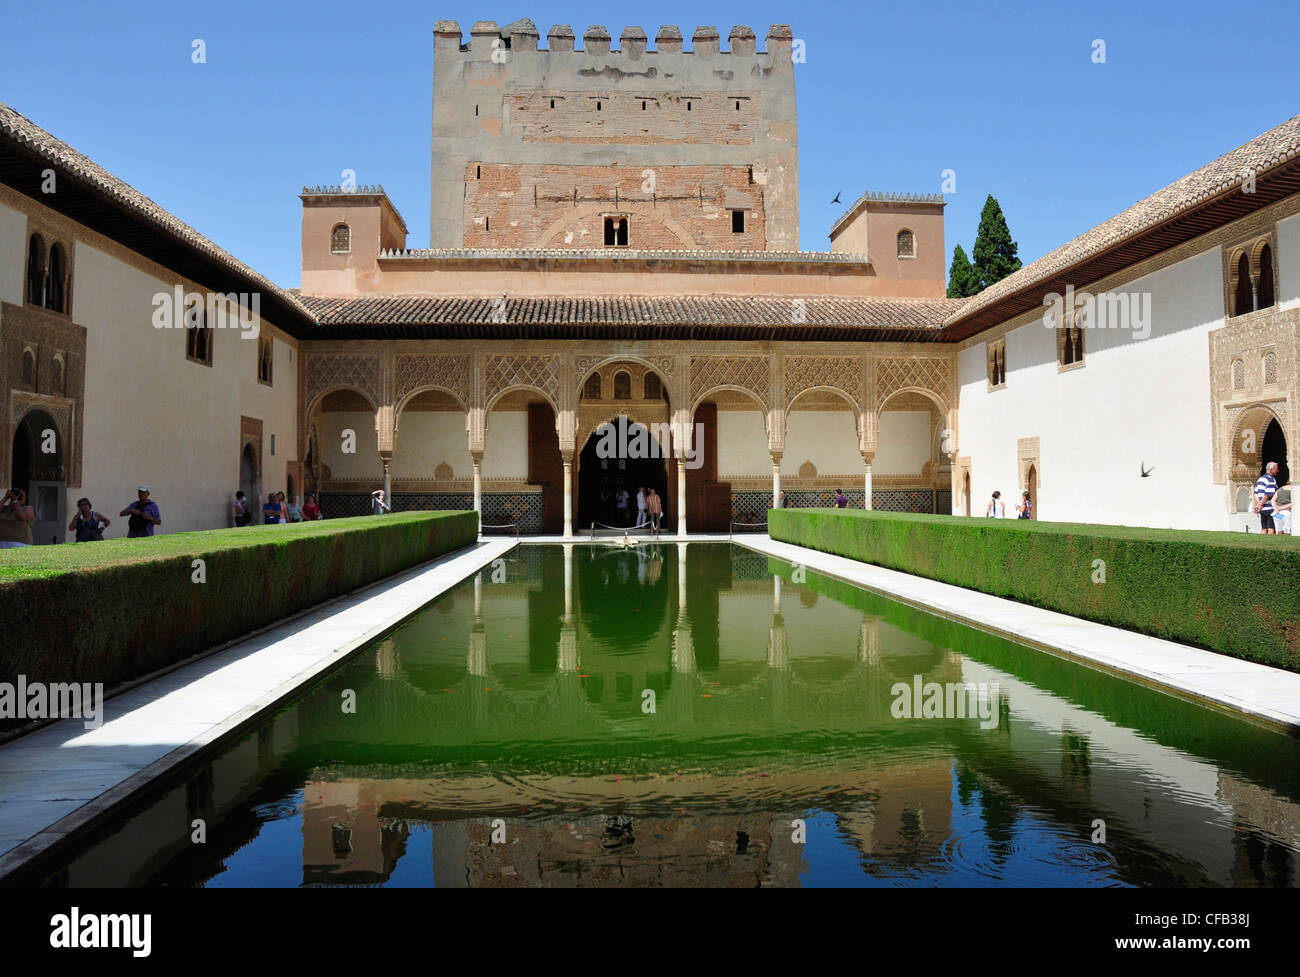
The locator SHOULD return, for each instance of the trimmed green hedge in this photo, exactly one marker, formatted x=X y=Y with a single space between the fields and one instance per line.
x=114 y=610
x=1238 y=594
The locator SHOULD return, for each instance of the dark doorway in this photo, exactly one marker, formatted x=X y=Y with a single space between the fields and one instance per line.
x=546 y=465
x=638 y=461
x=1033 y=492
x=38 y=468
x=248 y=477
x=1274 y=449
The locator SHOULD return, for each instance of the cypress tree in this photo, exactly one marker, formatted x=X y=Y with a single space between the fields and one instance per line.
x=995 y=252
x=962 y=280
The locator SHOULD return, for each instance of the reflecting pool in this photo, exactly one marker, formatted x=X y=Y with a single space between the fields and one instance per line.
x=699 y=714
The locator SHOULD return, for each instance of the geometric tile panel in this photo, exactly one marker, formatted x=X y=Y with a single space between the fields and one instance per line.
x=499 y=508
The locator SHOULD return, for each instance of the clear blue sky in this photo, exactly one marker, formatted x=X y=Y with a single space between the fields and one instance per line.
x=891 y=94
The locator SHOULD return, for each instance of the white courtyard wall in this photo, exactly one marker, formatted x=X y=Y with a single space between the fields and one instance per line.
x=152 y=416
x=1134 y=402
x=13 y=255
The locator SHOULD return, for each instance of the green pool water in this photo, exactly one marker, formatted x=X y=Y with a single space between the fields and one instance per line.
x=697 y=714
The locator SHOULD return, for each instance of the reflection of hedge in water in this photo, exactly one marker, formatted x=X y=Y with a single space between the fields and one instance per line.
x=1228 y=592
x=1261 y=755
x=134 y=607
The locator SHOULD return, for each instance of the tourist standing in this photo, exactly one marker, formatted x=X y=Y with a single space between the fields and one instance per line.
x=88 y=524
x=310 y=510
x=841 y=500
x=143 y=514
x=271 y=510
x=284 y=509
x=640 y=507
x=242 y=516
x=1025 y=506
x=784 y=501
x=997 y=509
x=1265 y=489
x=377 y=504
x=295 y=510
x=655 y=507
x=16 y=518
x=1282 y=512
x=622 y=499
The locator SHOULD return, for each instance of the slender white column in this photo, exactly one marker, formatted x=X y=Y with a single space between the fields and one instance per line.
x=866 y=485
x=776 y=479
x=681 y=496
x=568 y=507
x=478 y=485
x=388 y=482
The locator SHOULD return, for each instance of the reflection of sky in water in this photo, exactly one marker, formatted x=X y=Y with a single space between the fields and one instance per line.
x=521 y=699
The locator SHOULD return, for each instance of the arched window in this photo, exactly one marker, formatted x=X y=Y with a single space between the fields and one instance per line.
x=1238 y=374
x=906 y=244
x=1265 y=297
x=55 y=279
x=36 y=271
x=264 y=359
x=591 y=389
x=341 y=239
x=198 y=340
x=622 y=386
x=59 y=372
x=1243 y=301
x=29 y=367
x=654 y=387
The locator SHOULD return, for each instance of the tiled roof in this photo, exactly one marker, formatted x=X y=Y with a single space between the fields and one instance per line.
x=1227 y=173
x=843 y=317
x=66 y=160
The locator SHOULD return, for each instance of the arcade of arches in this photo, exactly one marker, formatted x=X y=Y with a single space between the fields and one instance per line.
x=514 y=434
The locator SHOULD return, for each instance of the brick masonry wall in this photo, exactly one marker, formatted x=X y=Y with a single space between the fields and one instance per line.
x=633 y=118
x=542 y=205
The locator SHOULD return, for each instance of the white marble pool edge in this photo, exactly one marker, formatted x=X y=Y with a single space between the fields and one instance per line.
x=46 y=795
x=1260 y=692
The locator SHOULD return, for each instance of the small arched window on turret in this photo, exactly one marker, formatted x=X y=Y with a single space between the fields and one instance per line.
x=654 y=388
x=591 y=389
x=906 y=244
x=341 y=239
x=622 y=386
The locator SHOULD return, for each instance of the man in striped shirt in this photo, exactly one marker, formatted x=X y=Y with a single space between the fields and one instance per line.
x=1265 y=489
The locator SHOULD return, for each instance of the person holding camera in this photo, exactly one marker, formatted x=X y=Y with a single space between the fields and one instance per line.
x=88 y=524
x=143 y=515
x=16 y=518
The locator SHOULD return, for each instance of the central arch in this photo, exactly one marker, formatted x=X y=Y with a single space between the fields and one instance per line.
x=622 y=454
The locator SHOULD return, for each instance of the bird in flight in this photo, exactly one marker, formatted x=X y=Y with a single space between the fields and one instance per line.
x=837 y=197
x=1145 y=470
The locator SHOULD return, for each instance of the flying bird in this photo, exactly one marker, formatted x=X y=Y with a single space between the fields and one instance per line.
x=837 y=197
x=1145 y=470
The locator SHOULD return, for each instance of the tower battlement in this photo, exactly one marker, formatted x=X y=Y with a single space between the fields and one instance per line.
x=486 y=37
x=627 y=146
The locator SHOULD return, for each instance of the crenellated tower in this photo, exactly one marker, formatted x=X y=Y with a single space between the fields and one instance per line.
x=592 y=147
